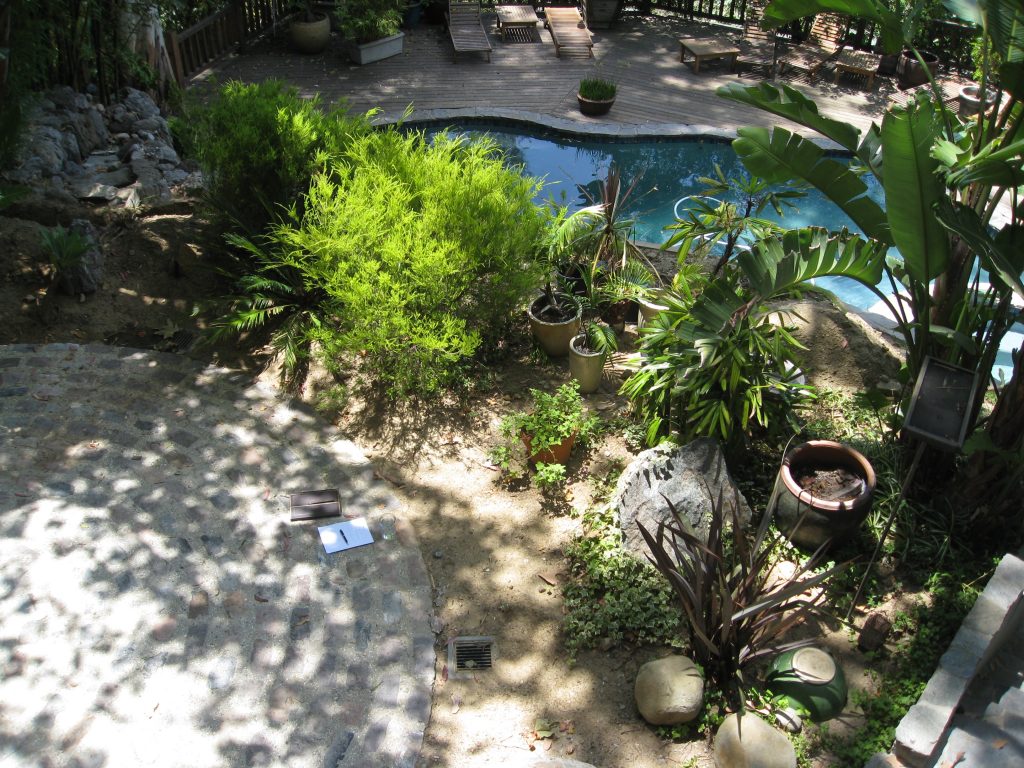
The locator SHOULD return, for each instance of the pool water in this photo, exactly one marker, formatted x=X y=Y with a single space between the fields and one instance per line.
x=666 y=172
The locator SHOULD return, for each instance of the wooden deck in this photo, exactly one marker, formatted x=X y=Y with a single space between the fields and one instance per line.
x=641 y=55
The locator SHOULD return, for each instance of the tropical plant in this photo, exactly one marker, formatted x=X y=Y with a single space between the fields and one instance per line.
x=64 y=248
x=943 y=181
x=597 y=89
x=368 y=20
x=737 y=609
x=712 y=221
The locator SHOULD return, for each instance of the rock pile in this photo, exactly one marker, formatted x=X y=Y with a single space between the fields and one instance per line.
x=120 y=154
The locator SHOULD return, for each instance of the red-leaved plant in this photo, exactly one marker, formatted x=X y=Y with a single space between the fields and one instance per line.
x=737 y=610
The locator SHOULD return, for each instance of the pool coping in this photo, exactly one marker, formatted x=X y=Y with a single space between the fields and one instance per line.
x=574 y=128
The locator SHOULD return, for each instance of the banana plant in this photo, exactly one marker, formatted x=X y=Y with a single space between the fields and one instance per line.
x=943 y=179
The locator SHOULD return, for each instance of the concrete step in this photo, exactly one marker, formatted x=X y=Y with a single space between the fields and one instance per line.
x=977 y=744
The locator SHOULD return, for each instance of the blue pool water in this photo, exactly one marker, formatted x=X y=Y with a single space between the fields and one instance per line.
x=666 y=172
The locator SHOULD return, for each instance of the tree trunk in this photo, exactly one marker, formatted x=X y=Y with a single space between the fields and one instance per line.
x=144 y=35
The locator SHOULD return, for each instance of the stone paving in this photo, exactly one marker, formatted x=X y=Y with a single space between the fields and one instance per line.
x=158 y=606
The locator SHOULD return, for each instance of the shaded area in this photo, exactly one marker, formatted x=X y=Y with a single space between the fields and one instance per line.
x=160 y=608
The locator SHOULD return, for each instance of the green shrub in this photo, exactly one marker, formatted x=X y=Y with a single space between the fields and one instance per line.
x=408 y=254
x=260 y=144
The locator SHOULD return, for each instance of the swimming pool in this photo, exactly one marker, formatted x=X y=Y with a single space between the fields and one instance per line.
x=666 y=172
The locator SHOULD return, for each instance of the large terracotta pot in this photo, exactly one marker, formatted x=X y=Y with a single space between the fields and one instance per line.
x=556 y=454
x=311 y=36
x=811 y=520
x=909 y=71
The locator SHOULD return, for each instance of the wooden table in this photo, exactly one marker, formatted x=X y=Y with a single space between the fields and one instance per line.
x=857 y=63
x=511 y=17
x=702 y=48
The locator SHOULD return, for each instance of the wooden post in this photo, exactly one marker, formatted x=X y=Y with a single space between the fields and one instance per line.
x=179 y=73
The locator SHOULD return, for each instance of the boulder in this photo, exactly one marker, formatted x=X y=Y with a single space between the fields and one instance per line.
x=691 y=477
x=749 y=742
x=140 y=103
x=669 y=691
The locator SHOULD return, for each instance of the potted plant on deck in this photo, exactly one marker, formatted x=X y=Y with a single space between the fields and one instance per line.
x=596 y=96
x=372 y=29
x=310 y=30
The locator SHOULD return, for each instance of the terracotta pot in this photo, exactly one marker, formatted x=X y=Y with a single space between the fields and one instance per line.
x=810 y=521
x=556 y=454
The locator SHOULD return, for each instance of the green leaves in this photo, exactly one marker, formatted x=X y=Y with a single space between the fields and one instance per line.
x=913 y=187
x=891 y=28
x=781 y=155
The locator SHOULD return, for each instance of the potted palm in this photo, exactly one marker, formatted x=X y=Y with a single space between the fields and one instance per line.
x=372 y=29
x=310 y=30
x=588 y=353
x=596 y=96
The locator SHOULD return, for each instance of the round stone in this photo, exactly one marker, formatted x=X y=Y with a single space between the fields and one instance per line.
x=669 y=691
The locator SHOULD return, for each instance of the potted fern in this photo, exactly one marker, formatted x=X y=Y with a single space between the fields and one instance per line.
x=596 y=96
x=372 y=29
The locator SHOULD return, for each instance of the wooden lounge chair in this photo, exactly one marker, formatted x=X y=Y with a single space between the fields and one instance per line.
x=759 y=48
x=466 y=28
x=569 y=31
x=823 y=44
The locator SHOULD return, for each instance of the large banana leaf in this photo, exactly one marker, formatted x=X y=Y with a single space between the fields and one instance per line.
x=782 y=262
x=1002 y=256
x=891 y=27
x=787 y=102
x=913 y=187
x=997 y=167
x=781 y=156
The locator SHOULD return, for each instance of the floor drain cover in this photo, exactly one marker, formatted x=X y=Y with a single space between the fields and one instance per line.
x=469 y=654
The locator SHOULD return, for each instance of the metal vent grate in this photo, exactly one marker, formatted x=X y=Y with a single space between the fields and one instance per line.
x=470 y=654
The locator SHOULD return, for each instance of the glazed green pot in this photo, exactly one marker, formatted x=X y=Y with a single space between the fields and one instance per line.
x=811 y=678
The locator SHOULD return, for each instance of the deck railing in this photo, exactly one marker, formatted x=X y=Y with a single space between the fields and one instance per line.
x=220 y=32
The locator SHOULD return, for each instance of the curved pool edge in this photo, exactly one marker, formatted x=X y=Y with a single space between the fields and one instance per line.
x=588 y=129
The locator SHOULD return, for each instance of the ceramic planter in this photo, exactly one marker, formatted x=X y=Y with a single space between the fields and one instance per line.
x=376 y=50
x=811 y=678
x=553 y=335
x=909 y=71
x=970 y=100
x=594 y=107
x=310 y=36
x=649 y=309
x=586 y=367
x=812 y=516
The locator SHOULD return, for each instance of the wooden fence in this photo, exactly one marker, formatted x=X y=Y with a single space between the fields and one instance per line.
x=220 y=33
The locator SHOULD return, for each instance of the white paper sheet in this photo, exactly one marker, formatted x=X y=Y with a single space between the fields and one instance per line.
x=340 y=536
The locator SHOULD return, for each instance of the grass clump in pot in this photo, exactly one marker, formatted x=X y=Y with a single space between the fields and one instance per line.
x=597 y=89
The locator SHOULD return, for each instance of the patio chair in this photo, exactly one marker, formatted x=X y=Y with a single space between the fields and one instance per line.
x=759 y=48
x=466 y=28
x=569 y=30
x=823 y=45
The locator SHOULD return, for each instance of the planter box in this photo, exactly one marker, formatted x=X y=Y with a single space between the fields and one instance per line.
x=385 y=48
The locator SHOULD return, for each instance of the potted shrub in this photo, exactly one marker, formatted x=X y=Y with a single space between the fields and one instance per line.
x=411 y=13
x=310 y=30
x=596 y=96
x=546 y=433
x=372 y=29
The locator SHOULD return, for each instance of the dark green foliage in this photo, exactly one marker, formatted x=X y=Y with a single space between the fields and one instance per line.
x=405 y=254
x=597 y=89
x=613 y=597
x=737 y=614
x=259 y=145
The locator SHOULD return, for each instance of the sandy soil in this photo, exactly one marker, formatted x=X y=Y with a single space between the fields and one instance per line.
x=494 y=554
